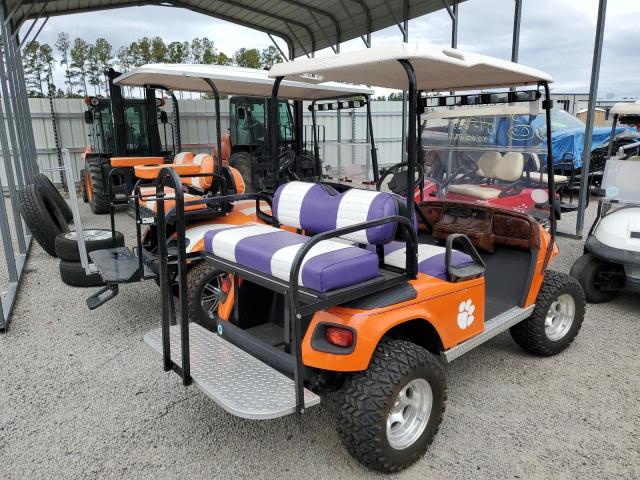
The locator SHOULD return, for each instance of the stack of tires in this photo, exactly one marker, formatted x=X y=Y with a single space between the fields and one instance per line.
x=47 y=215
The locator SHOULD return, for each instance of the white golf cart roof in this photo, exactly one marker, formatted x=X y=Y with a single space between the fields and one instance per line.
x=485 y=111
x=232 y=81
x=437 y=69
x=626 y=108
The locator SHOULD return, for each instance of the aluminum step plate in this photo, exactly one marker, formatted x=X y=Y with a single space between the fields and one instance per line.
x=238 y=382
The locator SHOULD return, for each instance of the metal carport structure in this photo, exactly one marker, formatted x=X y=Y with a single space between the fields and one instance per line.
x=305 y=26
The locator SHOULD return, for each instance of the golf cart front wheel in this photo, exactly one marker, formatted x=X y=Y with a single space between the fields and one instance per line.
x=600 y=280
x=556 y=318
x=391 y=412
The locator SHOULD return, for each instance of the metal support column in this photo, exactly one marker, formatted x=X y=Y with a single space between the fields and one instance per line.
x=515 y=41
x=405 y=39
x=593 y=92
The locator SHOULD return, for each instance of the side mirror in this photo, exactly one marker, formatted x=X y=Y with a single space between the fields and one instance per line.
x=164 y=118
x=242 y=113
x=88 y=117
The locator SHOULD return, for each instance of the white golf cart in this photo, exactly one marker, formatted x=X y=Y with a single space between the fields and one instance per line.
x=611 y=260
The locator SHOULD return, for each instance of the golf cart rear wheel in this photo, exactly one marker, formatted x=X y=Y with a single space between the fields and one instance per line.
x=591 y=273
x=390 y=413
x=206 y=289
x=98 y=198
x=556 y=318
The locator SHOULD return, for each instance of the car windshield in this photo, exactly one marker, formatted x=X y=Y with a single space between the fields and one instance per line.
x=560 y=120
x=486 y=155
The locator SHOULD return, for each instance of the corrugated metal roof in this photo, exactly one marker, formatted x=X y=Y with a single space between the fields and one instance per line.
x=305 y=25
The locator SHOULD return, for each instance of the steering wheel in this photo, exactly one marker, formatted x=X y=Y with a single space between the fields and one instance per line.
x=398 y=184
x=286 y=161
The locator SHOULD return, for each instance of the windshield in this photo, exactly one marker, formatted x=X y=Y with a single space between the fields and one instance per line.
x=486 y=155
x=560 y=120
x=620 y=181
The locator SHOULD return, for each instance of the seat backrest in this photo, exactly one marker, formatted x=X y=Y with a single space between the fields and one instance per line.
x=225 y=143
x=183 y=158
x=487 y=163
x=205 y=161
x=317 y=208
x=510 y=167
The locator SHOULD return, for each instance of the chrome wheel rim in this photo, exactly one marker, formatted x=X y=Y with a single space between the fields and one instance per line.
x=409 y=414
x=212 y=295
x=560 y=317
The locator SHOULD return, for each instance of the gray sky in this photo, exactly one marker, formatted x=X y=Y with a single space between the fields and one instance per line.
x=557 y=36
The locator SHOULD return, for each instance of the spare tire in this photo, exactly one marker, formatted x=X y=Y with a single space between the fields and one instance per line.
x=42 y=216
x=67 y=248
x=74 y=275
x=47 y=186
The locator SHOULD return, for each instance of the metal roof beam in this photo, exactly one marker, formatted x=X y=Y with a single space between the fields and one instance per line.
x=46 y=19
x=313 y=9
x=451 y=13
x=226 y=18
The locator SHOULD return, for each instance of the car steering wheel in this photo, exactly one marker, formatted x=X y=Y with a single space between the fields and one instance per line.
x=286 y=161
x=398 y=184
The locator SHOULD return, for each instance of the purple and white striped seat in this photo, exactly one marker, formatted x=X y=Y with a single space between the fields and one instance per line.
x=317 y=208
x=431 y=258
x=329 y=265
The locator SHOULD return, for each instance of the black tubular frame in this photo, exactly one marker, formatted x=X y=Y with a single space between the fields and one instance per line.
x=551 y=186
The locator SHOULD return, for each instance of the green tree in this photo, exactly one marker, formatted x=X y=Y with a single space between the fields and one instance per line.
x=158 y=50
x=142 y=50
x=32 y=64
x=47 y=61
x=247 y=57
x=178 y=52
x=223 y=59
x=197 y=51
x=270 y=56
x=63 y=45
x=79 y=62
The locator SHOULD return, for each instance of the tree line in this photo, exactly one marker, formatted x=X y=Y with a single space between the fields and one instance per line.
x=84 y=63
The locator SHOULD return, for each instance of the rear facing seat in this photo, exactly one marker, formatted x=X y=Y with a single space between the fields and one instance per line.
x=317 y=208
x=493 y=166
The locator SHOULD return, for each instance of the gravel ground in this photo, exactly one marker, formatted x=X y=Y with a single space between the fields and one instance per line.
x=82 y=397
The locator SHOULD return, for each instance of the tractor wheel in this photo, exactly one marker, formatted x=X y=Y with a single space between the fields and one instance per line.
x=98 y=198
x=74 y=275
x=588 y=271
x=94 y=239
x=42 y=215
x=83 y=185
x=556 y=318
x=47 y=186
x=390 y=413
x=242 y=161
x=206 y=288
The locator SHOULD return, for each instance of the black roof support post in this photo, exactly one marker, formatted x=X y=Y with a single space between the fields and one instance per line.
x=551 y=186
x=216 y=96
x=412 y=254
x=374 y=151
x=274 y=134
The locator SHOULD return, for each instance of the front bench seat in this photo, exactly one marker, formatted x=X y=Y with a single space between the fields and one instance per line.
x=431 y=258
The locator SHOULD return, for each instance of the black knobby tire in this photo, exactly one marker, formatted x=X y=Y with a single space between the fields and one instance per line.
x=83 y=185
x=368 y=396
x=42 y=216
x=50 y=189
x=98 y=199
x=74 y=275
x=199 y=277
x=531 y=334
x=94 y=239
x=242 y=162
x=586 y=270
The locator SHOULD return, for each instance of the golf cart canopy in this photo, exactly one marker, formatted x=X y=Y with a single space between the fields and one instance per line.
x=231 y=81
x=437 y=69
x=626 y=108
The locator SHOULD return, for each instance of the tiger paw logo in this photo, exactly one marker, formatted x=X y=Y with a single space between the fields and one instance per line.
x=465 y=313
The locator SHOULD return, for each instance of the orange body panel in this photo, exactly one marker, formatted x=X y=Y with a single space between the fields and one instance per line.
x=169 y=203
x=133 y=161
x=150 y=172
x=437 y=302
x=538 y=276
